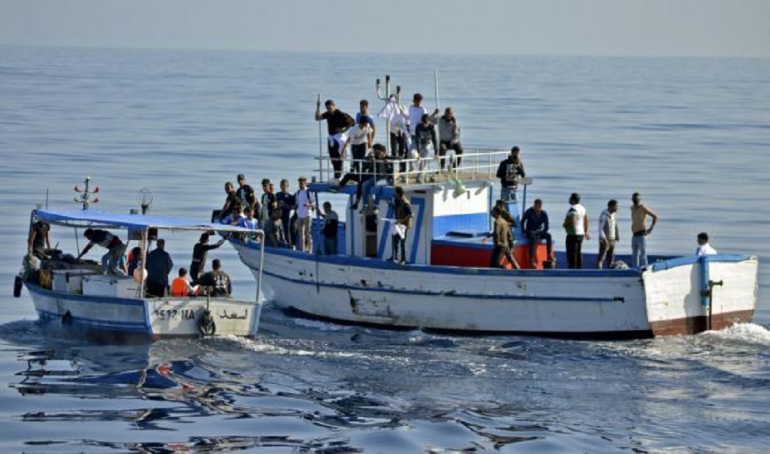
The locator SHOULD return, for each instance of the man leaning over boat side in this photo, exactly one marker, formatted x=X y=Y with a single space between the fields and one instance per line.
x=639 y=213
x=113 y=262
x=509 y=172
x=337 y=124
x=609 y=235
x=576 y=225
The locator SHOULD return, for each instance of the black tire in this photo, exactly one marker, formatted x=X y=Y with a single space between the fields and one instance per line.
x=18 y=284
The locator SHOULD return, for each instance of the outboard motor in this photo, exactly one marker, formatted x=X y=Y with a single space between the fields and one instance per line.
x=18 y=284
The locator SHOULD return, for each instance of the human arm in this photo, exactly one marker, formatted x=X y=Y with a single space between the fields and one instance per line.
x=546 y=225
x=602 y=227
x=654 y=217
x=169 y=263
x=585 y=227
x=501 y=171
x=86 y=249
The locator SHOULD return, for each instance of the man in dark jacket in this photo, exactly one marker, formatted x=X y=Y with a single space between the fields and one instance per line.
x=159 y=264
x=535 y=226
x=338 y=123
x=217 y=282
x=509 y=172
x=200 y=250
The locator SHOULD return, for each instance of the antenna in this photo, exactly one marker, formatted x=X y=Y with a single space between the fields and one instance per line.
x=145 y=197
x=85 y=194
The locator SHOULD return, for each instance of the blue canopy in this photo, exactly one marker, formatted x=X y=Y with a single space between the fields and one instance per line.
x=95 y=218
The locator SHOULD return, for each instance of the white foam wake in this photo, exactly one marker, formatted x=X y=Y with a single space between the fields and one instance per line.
x=744 y=332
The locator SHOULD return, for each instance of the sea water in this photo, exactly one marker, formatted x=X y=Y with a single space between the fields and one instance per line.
x=691 y=134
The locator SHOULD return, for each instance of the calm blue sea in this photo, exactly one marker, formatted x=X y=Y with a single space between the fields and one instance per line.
x=692 y=135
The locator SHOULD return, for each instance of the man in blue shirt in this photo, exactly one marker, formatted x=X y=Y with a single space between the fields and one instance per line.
x=534 y=223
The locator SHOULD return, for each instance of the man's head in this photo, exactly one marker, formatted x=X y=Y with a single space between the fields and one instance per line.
x=182 y=272
x=399 y=192
x=265 y=183
x=327 y=207
x=241 y=179
x=574 y=198
x=270 y=188
x=636 y=198
x=495 y=212
x=703 y=238
x=88 y=233
x=161 y=243
x=204 y=238
x=284 y=185
x=216 y=264
x=538 y=206
x=612 y=206
x=364 y=106
x=330 y=106
x=501 y=204
x=449 y=113
x=276 y=215
x=248 y=212
x=417 y=99
x=302 y=181
x=425 y=119
x=363 y=121
x=515 y=152
x=379 y=151
x=229 y=187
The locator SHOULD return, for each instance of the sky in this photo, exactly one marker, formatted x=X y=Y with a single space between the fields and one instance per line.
x=725 y=28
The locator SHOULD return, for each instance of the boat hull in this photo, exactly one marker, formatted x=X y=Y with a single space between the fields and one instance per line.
x=124 y=319
x=569 y=303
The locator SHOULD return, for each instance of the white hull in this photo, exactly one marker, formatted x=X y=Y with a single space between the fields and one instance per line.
x=148 y=318
x=556 y=302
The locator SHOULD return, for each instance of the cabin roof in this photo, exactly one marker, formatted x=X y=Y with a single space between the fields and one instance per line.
x=96 y=218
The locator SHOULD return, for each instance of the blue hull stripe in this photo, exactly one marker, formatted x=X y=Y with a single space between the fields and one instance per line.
x=86 y=298
x=451 y=294
x=105 y=325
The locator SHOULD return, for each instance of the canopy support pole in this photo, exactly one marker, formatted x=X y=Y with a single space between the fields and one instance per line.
x=143 y=253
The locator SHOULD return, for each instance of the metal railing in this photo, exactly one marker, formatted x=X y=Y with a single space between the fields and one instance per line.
x=475 y=164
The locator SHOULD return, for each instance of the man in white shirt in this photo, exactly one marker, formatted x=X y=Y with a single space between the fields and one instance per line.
x=576 y=225
x=360 y=141
x=608 y=235
x=704 y=248
x=305 y=206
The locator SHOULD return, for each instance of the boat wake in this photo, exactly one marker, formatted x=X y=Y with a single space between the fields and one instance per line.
x=747 y=333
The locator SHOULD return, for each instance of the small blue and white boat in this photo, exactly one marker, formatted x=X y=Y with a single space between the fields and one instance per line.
x=81 y=297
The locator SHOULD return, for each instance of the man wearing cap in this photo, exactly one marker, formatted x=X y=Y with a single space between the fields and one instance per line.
x=200 y=251
x=509 y=172
x=337 y=123
x=305 y=206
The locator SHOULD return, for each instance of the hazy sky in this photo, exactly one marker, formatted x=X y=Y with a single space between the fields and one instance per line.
x=589 y=27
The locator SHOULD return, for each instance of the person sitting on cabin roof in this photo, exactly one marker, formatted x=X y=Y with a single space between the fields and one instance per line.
x=39 y=240
x=329 y=231
x=216 y=282
x=274 y=233
x=231 y=201
x=200 y=251
x=449 y=137
x=535 y=225
x=402 y=212
x=180 y=286
x=159 y=265
x=509 y=172
x=337 y=123
x=246 y=194
x=704 y=248
x=360 y=141
x=113 y=262
x=503 y=241
x=425 y=137
x=375 y=169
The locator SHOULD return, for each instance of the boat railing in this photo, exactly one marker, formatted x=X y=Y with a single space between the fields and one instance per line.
x=474 y=164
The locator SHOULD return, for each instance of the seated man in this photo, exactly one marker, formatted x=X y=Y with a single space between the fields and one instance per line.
x=216 y=282
x=181 y=287
x=39 y=240
x=534 y=223
x=375 y=169
x=113 y=261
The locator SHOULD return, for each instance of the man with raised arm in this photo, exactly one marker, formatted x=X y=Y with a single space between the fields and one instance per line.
x=639 y=213
x=337 y=124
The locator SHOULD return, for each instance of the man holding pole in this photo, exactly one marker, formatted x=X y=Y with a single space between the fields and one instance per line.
x=337 y=123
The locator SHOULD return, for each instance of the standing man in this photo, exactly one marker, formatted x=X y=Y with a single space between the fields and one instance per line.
x=159 y=265
x=576 y=225
x=329 y=231
x=305 y=206
x=39 y=240
x=704 y=248
x=364 y=112
x=246 y=194
x=416 y=111
x=509 y=172
x=403 y=222
x=425 y=142
x=286 y=204
x=360 y=141
x=535 y=226
x=337 y=123
x=230 y=208
x=503 y=241
x=113 y=261
x=217 y=282
x=200 y=251
x=639 y=213
x=449 y=135
x=269 y=202
x=608 y=235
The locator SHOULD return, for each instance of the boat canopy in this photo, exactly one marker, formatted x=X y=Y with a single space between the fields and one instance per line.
x=95 y=218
